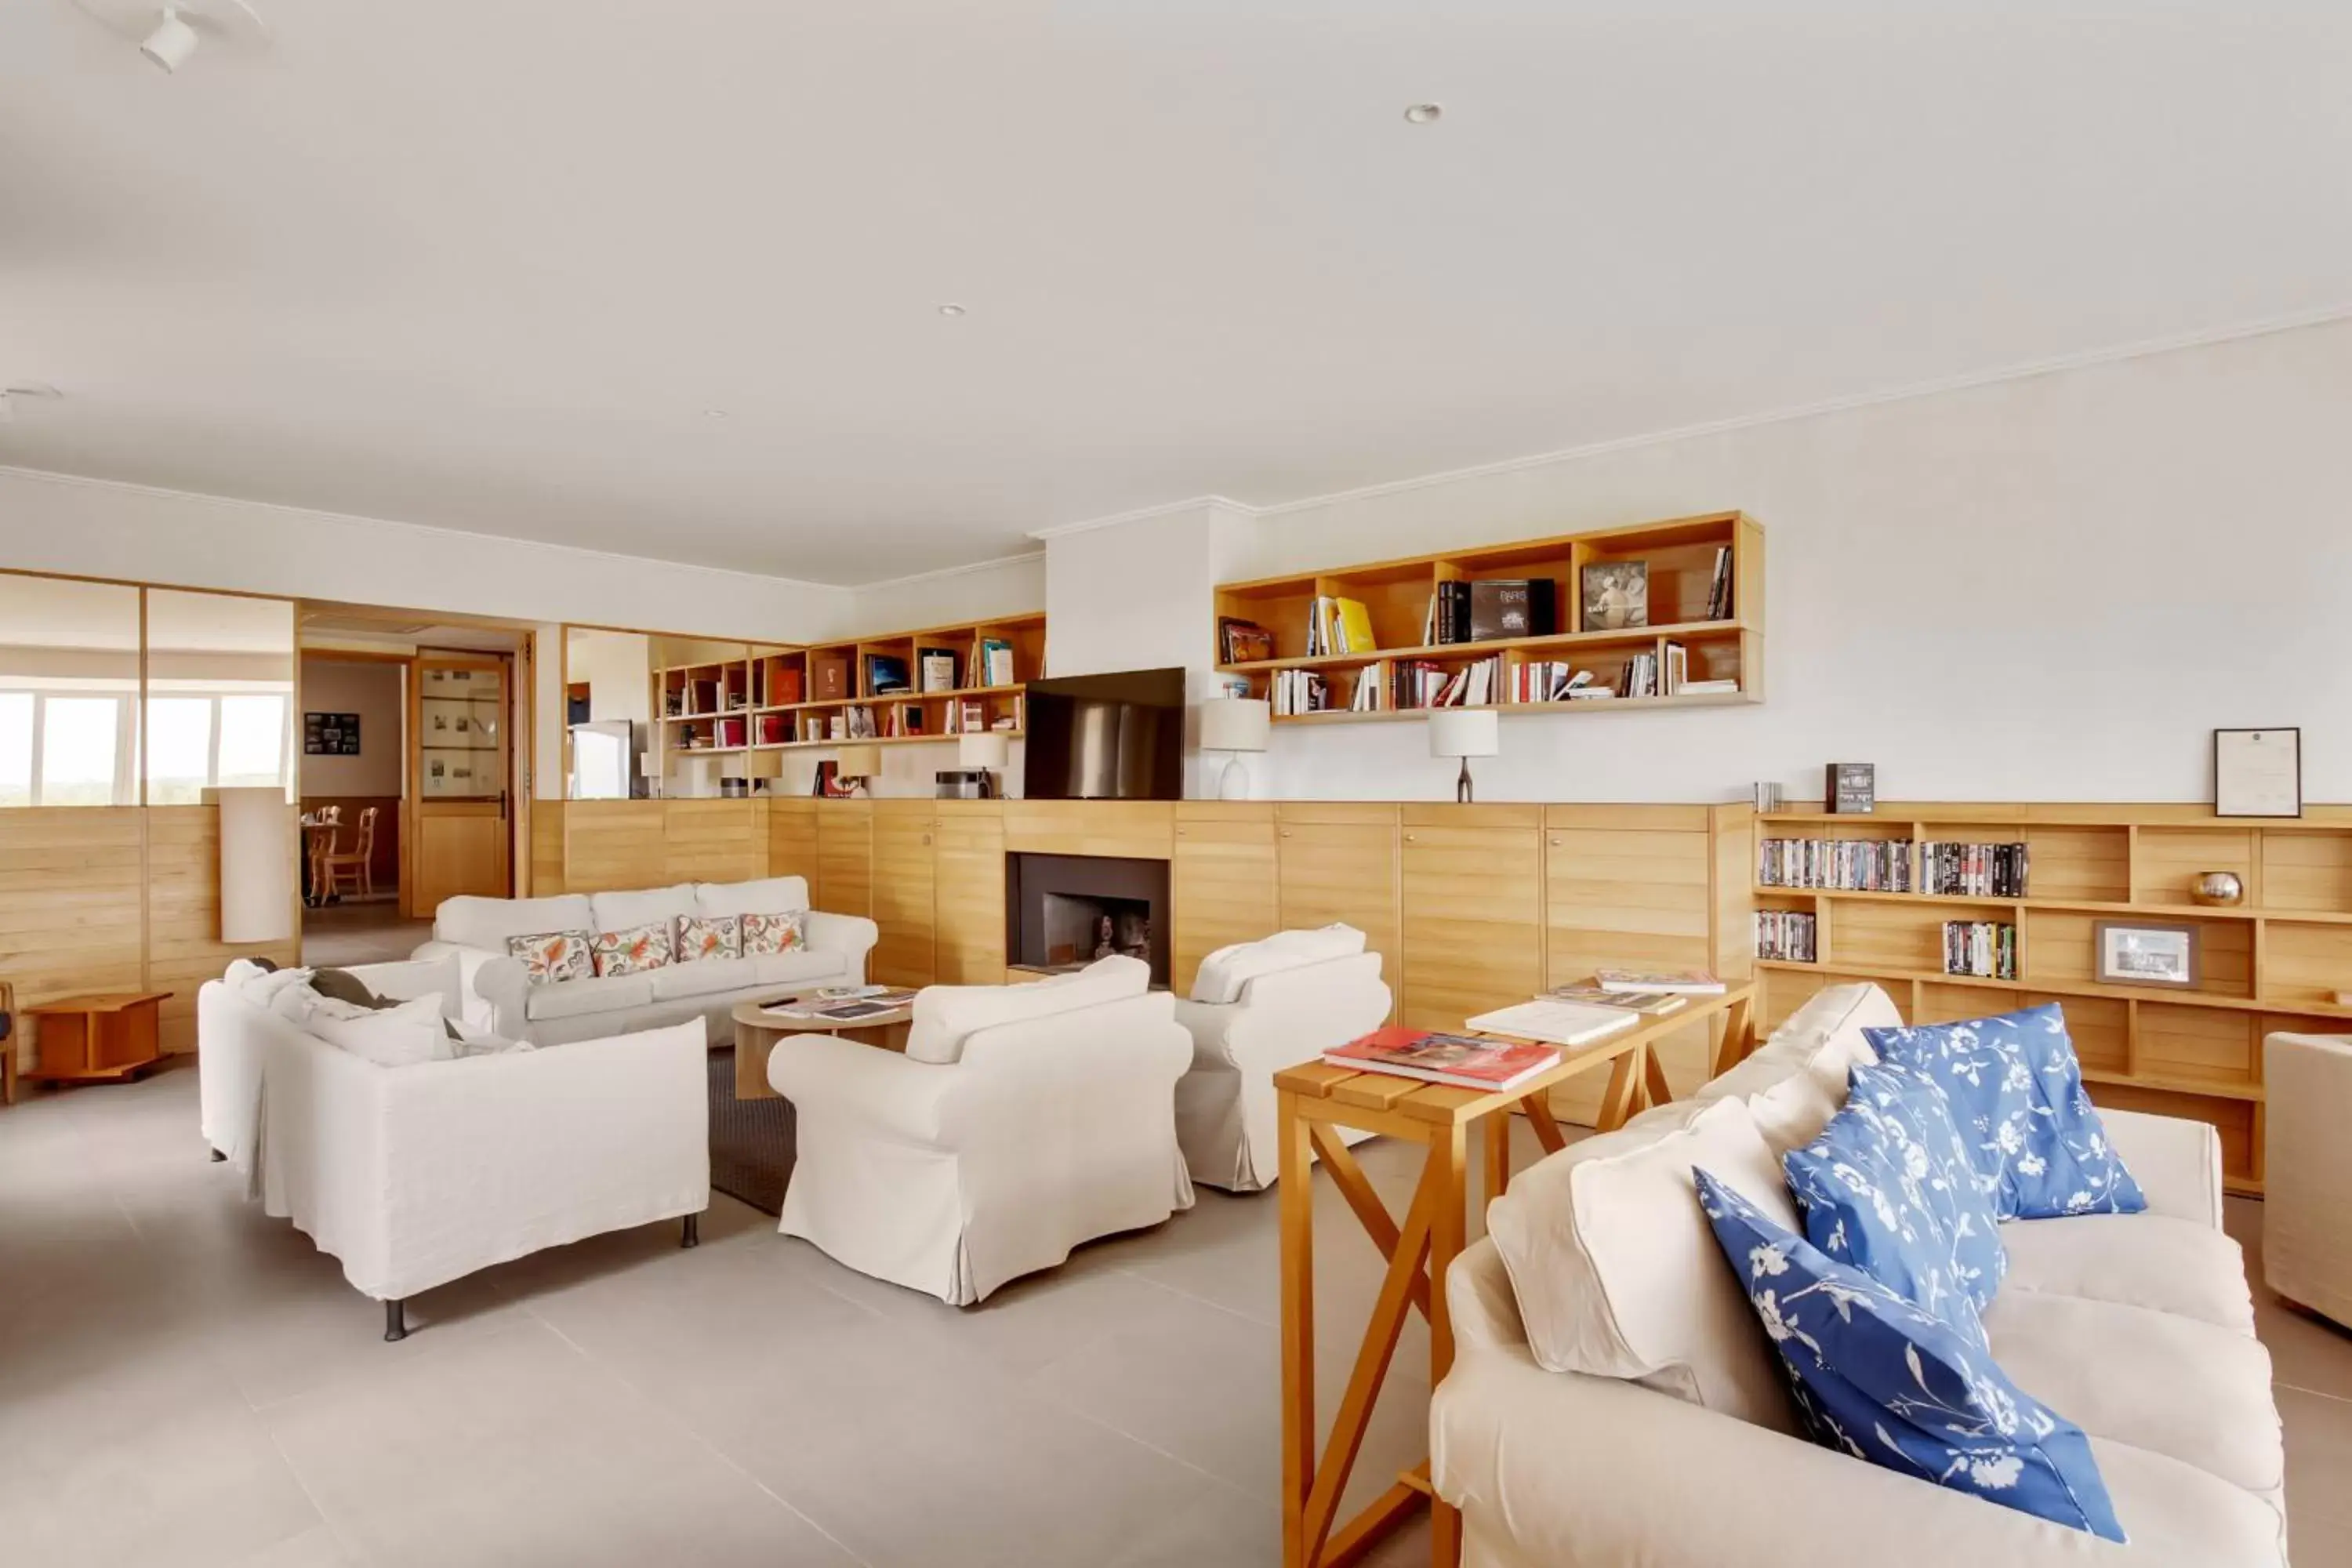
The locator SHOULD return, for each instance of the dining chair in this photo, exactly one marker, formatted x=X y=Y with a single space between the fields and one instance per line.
x=353 y=863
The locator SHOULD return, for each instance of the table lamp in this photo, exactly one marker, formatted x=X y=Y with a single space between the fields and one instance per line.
x=1463 y=733
x=855 y=765
x=761 y=768
x=985 y=751
x=649 y=770
x=1234 y=725
x=694 y=778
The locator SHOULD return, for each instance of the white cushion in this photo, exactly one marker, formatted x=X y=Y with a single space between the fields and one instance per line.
x=1618 y=1274
x=647 y=907
x=407 y=979
x=474 y=1042
x=2150 y=1260
x=1797 y=1080
x=601 y=993
x=261 y=986
x=768 y=896
x=801 y=964
x=2172 y=1385
x=469 y=921
x=945 y=1016
x=705 y=977
x=1224 y=972
x=389 y=1036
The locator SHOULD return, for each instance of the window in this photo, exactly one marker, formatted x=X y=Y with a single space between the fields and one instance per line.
x=69 y=692
x=220 y=694
x=15 y=748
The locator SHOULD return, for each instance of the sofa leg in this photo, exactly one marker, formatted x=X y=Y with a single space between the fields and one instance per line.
x=219 y=1156
x=395 y=1322
x=692 y=1235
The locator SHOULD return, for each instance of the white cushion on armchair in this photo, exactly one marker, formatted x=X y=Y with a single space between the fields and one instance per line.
x=946 y=1016
x=1223 y=973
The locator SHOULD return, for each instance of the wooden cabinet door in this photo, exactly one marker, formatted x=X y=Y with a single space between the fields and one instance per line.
x=1221 y=881
x=792 y=838
x=968 y=893
x=903 y=832
x=845 y=857
x=1472 y=879
x=1338 y=862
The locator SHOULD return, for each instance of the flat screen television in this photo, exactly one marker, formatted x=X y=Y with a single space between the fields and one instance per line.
x=1106 y=737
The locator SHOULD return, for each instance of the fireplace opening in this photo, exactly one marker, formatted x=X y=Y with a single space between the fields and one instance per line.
x=1065 y=911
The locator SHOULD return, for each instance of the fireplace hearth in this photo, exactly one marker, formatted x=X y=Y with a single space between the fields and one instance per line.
x=1064 y=911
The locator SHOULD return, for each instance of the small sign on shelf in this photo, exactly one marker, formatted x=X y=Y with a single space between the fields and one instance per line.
x=1850 y=789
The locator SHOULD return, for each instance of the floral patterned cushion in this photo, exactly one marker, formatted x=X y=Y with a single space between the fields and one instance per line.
x=2038 y=1147
x=710 y=936
x=1915 y=1105
x=1879 y=1378
x=1863 y=1184
x=633 y=950
x=552 y=955
x=786 y=932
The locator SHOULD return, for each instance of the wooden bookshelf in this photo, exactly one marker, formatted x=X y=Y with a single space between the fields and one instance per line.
x=794 y=712
x=1680 y=554
x=2274 y=962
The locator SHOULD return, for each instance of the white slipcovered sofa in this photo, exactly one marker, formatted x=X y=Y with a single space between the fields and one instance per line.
x=2308 y=1172
x=1255 y=1008
x=1614 y=1399
x=501 y=997
x=1021 y=1122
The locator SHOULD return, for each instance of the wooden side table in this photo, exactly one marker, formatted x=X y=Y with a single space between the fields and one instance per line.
x=1316 y=1103
x=99 y=1039
x=758 y=1029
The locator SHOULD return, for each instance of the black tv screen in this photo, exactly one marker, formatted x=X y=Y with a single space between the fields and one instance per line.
x=1106 y=737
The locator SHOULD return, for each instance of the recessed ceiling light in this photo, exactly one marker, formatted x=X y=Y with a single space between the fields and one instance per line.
x=714 y=414
x=951 y=309
x=1423 y=113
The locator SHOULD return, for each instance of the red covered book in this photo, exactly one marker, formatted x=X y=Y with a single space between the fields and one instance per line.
x=1462 y=1060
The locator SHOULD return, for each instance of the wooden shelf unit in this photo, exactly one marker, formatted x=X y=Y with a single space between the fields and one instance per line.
x=2272 y=962
x=911 y=716
x=1396 y=594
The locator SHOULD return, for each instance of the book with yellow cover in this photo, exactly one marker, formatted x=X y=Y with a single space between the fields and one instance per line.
x=1355 y=627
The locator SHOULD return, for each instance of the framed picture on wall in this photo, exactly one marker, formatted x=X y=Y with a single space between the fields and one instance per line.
x=2258 y=772
x=330 y=734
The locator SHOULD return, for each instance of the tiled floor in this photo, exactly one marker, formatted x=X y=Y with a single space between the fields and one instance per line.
x=184 y=1382
x=343 y=934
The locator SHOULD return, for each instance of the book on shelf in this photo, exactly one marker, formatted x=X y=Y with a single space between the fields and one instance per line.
x=1835 y=865
x=1592 y=693
x=730 y=734
x=1243 y=641
x=829 y=676
x=1681 y=982
x=1723 y=686
x=1981 y=949
x=773 y=730
x=1640 y=676
x=1462 y=1060
x=1547 y=680
x=702 y=696
x=1366 y=697
x=1973 y=870
x=1651 y=1004
x=1678 y=669
x=886 y=675
x=861 y=722
x=1719 y=590
x=936 y=667
x=784 y=685
x=1487 y=609
x=1556 y=1022
x=1299 y=692
x=1787 y=936
x=996 y=662
x=1336 y=625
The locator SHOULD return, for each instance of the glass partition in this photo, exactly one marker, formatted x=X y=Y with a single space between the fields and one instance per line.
x=220 y=694
x=69 y=692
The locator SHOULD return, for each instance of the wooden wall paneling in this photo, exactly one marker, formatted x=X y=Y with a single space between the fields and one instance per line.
x=792 y=837
x=184 y=945
x=613 y=844
x=2059 y=948
x=713 y=841
x=968 y=893
x=2306 y=872
x=548 y=851
x=2168 y=858
x=1471 y=880
x=1126 y=829
x=2182 y=1043
x=2304 y=964
x=1222 y=882
x=845 y=857
x=1337 y=861
x=71 y=904
x=903 y=887
x=2089 y=863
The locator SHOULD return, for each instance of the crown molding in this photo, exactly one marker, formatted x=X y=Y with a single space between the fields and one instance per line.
x=1143 y=514
x=967 y=570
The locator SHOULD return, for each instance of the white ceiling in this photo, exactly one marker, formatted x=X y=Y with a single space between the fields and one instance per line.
x=484 y=265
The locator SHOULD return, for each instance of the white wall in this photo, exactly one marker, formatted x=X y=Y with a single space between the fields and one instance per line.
x=373 y=692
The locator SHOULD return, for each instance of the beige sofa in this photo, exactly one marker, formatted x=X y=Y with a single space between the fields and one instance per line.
x=1613 y=1400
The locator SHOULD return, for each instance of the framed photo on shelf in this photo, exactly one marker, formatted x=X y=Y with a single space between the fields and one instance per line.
x=1616 y=595
x=2258 y=772
x=2144 y=952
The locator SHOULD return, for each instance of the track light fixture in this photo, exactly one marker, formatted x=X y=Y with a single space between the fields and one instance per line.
x=171 y=42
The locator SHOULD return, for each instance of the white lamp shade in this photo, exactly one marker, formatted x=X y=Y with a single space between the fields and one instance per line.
x=985 y=751
x=762 y=765
x=700 y=774
x=257 y=874
x=1464 y=733
x=1234 y=724
x=856 y=762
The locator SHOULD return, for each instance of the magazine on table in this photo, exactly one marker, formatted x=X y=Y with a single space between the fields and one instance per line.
x=1651 y=1004
x=1567 y=1024
x=847 y=1004
x=1683 y=982
x=1462 y=1060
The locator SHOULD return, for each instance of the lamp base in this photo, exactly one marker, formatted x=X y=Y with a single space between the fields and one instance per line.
x=1234 y=784
x=1462 y=785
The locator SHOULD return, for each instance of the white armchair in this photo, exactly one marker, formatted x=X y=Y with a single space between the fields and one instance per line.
x=1225 y=1104
x=2308 y=1172
x=1022 y=1120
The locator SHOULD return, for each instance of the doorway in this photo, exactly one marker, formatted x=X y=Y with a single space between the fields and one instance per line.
x=352 y=740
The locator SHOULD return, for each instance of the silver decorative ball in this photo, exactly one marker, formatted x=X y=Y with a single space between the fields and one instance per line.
x=2221 y=889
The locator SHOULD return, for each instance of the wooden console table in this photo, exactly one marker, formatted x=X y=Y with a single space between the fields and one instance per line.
x=1316 y=1102
x=99 y=1039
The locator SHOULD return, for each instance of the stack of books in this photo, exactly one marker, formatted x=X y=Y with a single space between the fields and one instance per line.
x=995 y=661
x=1547 y=680
x=1839 y=865
x=1651 y=1004
x=1338 y=625
x=1462 y=1060
x=1672 y=981
x=1640 y=676
x=1299 y=692
x=1983 y=950
x=1718 y=593
x=1491 y=608
x=1785 y=935
x=1973 y=870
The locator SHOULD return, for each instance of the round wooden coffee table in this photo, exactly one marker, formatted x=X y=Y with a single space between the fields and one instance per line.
x=758 y=1027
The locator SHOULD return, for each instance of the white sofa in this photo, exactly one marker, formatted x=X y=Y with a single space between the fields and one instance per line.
x=1281 y=1006
x=2308 y=1172
x=1021 y=1122
x=1613 y=1400
x=501 y=998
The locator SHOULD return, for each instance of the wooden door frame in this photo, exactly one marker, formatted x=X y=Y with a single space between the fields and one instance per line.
x=407 y=725
x=460 y=658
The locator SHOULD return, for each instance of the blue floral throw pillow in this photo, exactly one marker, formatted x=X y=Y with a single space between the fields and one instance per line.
x=2039 y=1149
x=1883 y=1380
x=1875 y=1196
x=1918 y=1110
